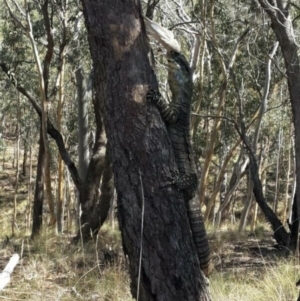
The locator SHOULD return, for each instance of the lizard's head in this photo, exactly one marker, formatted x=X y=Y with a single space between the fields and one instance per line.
x=180 y=62
x=179 y=73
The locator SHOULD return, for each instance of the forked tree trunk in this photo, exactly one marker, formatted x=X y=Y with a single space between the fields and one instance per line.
x=101 y=207
x=89 y=191
x=43 y=76
x=280 y=234
x=262 y=110
x=163 y=263
x=237 y=174
x=278 y=11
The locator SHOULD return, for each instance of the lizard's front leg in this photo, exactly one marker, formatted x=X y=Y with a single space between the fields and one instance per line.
x=168 y=112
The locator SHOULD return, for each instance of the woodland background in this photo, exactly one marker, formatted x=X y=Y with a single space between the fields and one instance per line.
x=242 y=105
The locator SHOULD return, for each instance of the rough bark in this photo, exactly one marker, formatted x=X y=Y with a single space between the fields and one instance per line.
x=142 y=159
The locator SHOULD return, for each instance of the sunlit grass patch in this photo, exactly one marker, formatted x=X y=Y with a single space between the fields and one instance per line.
x=272 y=283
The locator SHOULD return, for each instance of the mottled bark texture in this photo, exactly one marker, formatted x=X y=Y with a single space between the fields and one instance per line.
x=142 y=158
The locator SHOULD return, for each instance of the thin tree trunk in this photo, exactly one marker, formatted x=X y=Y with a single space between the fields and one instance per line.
x=221 y=175
x=28 y=206
x=25 y=155
x=195 y=121
x=217 y=121
x=292 y=197
x=52 y=131
x=83 y=98
x=287 y=185
x=17 y=148
x=43 y=76
x=262 y=111
x=37 y=218
x=83 y=123
x=262 y=172
x=69 y=208
x=237 y=174
x=275 y=204
x=3 y=158
x=99 y=214
x=61 y=94
x=283 y=29
x=280 y=234
x=90 y=187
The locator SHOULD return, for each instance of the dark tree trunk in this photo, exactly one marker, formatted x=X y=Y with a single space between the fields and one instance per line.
x=150 y=8
x=280 y=234
x=294 y=225
x=25 y=155
x=278 y=11
x=98 y=215
x=89 y=191
x=149 y=205
x=37 y=218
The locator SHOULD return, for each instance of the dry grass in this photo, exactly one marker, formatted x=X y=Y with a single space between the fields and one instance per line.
x=272 y=283
x=53 y=269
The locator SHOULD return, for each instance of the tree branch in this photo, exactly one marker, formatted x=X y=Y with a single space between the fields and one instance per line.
x=52 y=131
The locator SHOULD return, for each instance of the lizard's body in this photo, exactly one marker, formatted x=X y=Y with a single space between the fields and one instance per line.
x=177 y=118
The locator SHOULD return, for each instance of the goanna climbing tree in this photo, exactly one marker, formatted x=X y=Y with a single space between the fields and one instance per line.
x=152 y=214
x=177 y=115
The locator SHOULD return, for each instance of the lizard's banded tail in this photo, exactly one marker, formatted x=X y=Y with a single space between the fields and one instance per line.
x=199 y=235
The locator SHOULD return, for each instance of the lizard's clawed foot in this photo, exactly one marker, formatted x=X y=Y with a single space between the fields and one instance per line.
x=153 y=96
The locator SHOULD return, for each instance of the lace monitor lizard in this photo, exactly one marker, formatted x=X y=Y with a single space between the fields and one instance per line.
x=177 y=118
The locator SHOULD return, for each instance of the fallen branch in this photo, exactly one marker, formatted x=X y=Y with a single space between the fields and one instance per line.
x=5 y=275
